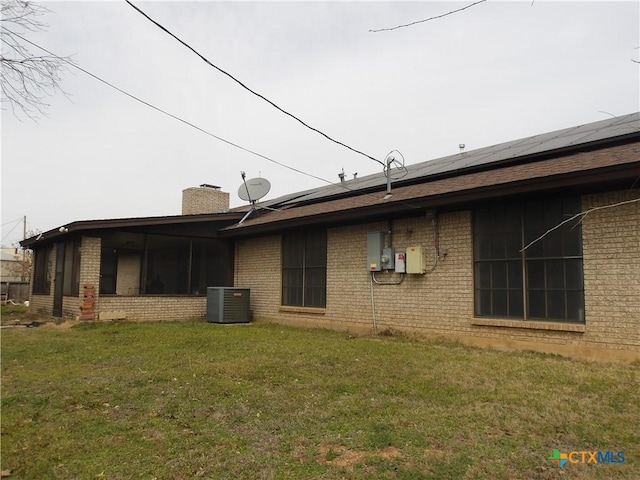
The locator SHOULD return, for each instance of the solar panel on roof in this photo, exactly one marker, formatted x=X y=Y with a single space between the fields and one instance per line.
x=546 y=142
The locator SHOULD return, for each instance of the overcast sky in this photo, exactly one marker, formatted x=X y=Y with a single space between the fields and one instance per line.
x=495 y=72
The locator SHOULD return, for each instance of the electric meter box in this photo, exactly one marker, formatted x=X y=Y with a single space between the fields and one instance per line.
x=388 y=259
x=415 y=260
x=375 y=244
x=400 y=262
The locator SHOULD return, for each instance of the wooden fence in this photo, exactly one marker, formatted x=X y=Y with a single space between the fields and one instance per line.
x=17 y=292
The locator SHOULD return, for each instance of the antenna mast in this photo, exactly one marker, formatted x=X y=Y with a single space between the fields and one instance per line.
x=253 y=202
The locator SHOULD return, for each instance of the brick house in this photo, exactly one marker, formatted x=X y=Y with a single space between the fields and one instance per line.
x=135 y=268
x=488 y=247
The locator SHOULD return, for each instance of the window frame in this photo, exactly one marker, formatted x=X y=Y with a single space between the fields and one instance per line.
x=42 y=270
x=304 y=272
x=168 y=265
x=553 y=291
x=71 y=269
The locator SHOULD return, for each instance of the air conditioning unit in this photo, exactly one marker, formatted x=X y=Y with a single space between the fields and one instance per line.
x=228 y=305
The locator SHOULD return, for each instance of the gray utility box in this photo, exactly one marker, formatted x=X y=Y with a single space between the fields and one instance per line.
x=375 y=243
x=228 y=305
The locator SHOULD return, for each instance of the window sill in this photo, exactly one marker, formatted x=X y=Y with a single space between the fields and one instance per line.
x=145 y=295
x=306 y=310
x=533 y=325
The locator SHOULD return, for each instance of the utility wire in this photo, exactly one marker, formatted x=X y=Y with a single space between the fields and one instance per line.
x=427 y=19
x=345 y=187
x=13 y=221
x=9 y=232
x=228 y=142
x=208 y=62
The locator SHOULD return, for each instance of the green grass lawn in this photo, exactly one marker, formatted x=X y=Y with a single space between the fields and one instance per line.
x=261 y=401
x=13 y=310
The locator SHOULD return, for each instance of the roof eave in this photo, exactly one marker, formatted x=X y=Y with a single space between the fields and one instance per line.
x=582 y=179
x=226 y=219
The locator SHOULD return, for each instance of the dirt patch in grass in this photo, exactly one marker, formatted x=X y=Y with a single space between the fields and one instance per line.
x=26 y=320
x=341 y=456
x=36 y=321
x=18 y=315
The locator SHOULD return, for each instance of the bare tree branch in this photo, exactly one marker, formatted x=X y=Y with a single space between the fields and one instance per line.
x=580 y=215
x=26 y=79
x=427 y=19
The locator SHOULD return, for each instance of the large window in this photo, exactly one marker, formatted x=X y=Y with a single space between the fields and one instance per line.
x=71 y=282
x=145 y=264
x=304 y=268
x=543 y=281
x=168 y=260
x=42 y=271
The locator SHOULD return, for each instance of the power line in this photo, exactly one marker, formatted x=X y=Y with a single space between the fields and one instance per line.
x=9 y=232
x=228 y=142
x=208 y=62
x=345 y=187
x=13 y=221
x=427 y=19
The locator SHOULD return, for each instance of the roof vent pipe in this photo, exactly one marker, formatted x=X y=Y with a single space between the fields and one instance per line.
x=341 y=176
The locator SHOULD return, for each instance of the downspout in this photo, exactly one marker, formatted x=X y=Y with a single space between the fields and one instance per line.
x=436 y=241
x=373 y=306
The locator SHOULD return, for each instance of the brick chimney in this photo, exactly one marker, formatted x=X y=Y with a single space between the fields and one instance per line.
x=204 y=199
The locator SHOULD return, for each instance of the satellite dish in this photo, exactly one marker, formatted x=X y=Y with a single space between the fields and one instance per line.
x=254 y=189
